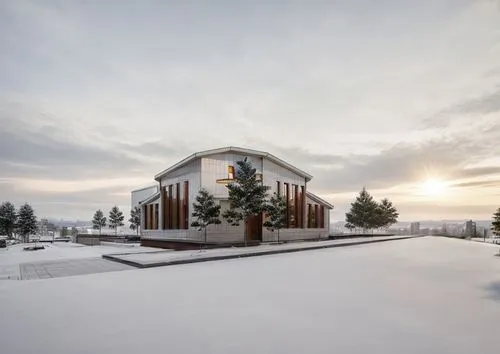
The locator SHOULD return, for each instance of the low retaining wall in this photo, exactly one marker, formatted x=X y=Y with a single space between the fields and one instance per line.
x=182 y=245
x=95 y=240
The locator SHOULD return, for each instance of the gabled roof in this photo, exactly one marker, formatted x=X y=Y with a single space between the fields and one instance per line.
x=150 y=199
x=319 y=200
x=243 y=151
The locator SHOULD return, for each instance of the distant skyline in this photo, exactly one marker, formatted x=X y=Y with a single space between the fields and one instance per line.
x=402 y=97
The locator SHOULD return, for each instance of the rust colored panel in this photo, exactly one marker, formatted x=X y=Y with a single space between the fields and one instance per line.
x=178 y=205
x=302 y=208
x=156 y=214
x=316 y=215
x=170 y=204
x=310 y=216
x=186 y=205
x=296 y=206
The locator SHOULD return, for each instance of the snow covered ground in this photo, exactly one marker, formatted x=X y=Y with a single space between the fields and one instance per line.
x=425 y=295
x=13 y=256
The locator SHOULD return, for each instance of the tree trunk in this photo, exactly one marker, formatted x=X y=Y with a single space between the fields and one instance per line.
x=116 y=230
x=278 y=236
x=137 y=228
x=205 y=238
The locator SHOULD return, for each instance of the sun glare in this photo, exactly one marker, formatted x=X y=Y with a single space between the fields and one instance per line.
x=433 y=187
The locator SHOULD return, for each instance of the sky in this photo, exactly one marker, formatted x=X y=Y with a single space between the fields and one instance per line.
x=402 y=97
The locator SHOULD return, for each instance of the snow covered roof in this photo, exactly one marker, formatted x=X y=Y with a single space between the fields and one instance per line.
x=319 y=200
x=262 y=154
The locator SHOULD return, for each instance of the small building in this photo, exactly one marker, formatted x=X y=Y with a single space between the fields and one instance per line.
x=414 y=228
x=166 y=213
x=470 y=229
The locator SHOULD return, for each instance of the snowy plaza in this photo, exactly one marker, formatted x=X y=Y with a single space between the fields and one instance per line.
x=423 y=295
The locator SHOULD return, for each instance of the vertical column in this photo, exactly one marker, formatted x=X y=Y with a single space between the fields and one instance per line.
x=186 y=205
x=287 y=196
x=143 y=217
x=160 y=211
x=304 y=204
x=169 y=204
x=153 y=218
x=302 y=207
x=309 y=216
x=178 y=205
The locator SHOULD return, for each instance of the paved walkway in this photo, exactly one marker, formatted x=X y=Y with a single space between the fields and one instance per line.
x=65 y=268
x=158 y=259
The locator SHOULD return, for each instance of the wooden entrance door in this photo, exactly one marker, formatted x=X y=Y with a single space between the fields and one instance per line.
x=254 y=228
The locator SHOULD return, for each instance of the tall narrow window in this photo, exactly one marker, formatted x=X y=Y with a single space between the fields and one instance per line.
x=230 y=172
x=186 y=205
x=322 y=217
x=278 y=188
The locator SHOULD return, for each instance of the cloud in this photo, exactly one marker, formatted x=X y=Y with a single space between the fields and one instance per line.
x=445 y=157
x=484 y=184
x=89 y=96
x=480 y=105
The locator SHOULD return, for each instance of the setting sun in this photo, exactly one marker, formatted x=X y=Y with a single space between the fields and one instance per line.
x=433 y=187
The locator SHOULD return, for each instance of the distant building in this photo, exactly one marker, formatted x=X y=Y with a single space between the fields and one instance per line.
x=470 y=229
x=414 y=228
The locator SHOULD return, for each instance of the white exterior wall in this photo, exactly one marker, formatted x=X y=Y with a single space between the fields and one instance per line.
x=215 y=167
x=274 y=173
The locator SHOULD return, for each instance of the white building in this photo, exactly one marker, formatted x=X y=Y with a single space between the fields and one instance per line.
x=166 y=214
x=414 y=228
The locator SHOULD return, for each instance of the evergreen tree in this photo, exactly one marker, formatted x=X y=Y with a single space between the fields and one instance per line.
x=206 y=212
x=99 y=221
x=115 y=218
x=8 y=219
x=495 y=224
x=74 y=231
x=135 y=219
x=388 y=214
x=26 y=223
x=276 y=213
x=247 y=196
x=64 y=231
x=363 y=213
